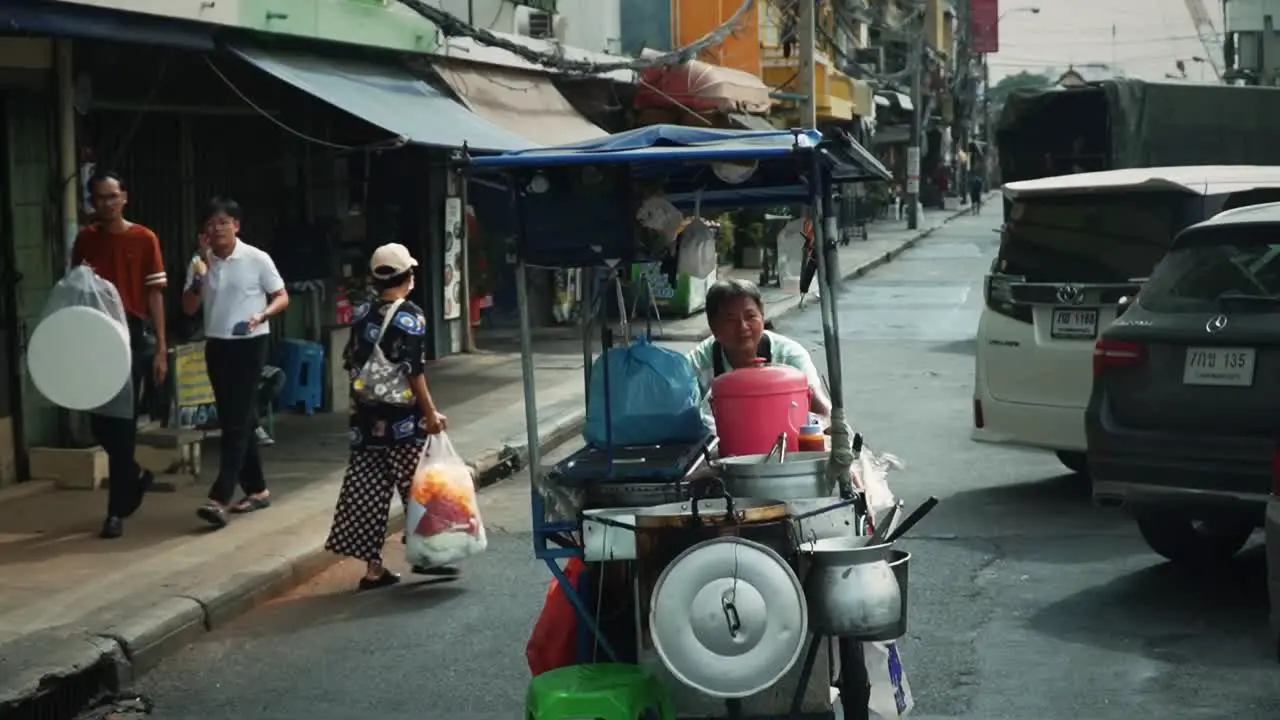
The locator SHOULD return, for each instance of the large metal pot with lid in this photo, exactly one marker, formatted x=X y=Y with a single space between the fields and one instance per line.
x=663 y=532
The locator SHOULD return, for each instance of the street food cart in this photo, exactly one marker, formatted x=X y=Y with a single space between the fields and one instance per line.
x=725 y=600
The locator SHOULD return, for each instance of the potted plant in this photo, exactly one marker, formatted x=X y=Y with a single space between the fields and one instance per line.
x=752 y=239
x=725 y=240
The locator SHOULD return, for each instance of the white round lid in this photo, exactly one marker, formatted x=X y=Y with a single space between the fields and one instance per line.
x=79 y=358
x=728 y=617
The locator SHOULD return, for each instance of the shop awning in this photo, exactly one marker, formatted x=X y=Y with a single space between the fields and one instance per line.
x=74 y=21
x=702 y=88
x=747 y=121
x=523 y=102
x=386 y=96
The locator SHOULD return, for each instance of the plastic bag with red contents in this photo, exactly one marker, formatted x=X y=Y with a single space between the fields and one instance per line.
x=442 y=521
x=554 y=642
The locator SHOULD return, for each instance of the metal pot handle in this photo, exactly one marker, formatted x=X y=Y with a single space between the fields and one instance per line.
x=714 y=489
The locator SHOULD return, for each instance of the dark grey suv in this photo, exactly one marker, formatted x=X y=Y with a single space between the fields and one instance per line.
x=1184 y=414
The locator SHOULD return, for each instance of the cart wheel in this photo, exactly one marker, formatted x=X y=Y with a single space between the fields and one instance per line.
x=650 y=713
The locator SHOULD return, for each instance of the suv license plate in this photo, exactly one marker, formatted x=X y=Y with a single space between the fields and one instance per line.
x=1224 y=367
x=1074 y=324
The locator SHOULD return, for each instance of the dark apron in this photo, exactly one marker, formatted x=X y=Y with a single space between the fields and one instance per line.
x=764 y=352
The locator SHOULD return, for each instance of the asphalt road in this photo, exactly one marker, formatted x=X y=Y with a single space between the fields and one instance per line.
x=1026 y=602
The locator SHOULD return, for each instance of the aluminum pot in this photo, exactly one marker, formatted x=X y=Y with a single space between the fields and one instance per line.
x=900 y=564
x=609 y=534
x=851 y=590
x=798 y=475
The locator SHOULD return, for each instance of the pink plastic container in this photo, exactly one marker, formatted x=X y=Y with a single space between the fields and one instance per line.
x=753 y=406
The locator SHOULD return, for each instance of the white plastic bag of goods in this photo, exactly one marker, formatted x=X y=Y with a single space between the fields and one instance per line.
x=442 y=522
x=791 y=240
x=697 y=252
x=79 y=356
x=890 y=692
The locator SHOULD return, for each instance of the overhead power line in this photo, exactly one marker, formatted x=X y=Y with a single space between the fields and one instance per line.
x=453 y=26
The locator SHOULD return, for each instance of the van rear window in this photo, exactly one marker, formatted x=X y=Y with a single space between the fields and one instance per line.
x=1091 y=238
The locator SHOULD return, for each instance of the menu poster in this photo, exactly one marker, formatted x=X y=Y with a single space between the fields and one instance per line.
x=453 y=240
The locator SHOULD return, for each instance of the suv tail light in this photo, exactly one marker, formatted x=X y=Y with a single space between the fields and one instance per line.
x=1275 y=470
x=1109 y=354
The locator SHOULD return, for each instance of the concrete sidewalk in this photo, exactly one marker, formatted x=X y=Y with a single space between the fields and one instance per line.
x=79 y=614
x=78 y=610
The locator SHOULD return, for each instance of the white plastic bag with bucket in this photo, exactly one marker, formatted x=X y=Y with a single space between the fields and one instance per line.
x=871 y=474
x=890 y=692
x=442 y=522
x=68 y=378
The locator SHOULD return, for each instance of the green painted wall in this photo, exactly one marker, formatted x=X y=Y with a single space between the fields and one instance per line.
x=29 y=165
x=360 y=22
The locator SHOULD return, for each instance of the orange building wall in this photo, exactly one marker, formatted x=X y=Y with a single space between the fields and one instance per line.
x=694 y=18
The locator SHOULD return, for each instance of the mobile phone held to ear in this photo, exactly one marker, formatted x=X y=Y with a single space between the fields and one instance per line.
x=240 y=329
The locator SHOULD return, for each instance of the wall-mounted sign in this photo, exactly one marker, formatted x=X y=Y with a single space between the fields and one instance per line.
x=453 y=239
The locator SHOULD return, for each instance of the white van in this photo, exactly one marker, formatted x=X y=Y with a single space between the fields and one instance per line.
x=1071 y=247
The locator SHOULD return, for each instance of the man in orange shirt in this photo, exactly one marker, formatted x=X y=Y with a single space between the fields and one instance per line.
x=127 y=255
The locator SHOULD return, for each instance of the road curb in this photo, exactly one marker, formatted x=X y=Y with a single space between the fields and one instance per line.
x=111 y=657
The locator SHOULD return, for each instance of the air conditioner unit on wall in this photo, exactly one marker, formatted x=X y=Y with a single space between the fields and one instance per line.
x=540 y=24
x=871 y=58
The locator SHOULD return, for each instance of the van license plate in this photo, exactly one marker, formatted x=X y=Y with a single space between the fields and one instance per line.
x=1074 y=324
x=1225 y=367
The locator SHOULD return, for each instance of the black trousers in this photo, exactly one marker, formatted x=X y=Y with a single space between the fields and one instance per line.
x=119 y=436
x=235 y=369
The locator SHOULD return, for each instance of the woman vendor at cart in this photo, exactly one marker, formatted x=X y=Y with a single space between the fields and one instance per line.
x=735 y=312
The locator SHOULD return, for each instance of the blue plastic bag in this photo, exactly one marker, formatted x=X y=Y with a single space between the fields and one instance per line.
x=653 y=398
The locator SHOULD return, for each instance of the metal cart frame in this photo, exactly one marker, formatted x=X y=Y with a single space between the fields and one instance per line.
x=799 y=166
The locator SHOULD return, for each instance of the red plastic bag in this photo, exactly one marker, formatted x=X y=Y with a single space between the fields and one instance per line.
x=554 y=642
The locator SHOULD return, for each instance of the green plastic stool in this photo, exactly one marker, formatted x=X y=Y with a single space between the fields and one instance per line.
x=603 y=691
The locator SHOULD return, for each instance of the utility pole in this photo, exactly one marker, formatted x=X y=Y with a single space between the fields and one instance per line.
x=986 y=120
x=963 y=126
x=808 y=50
x=916 y=63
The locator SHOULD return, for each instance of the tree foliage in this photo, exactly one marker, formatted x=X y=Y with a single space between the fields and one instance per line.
x=1021 y=81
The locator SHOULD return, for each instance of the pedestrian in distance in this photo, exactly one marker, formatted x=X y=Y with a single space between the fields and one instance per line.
x=976 y=187
x=239 y=289
x=128 y=256
x=387 y=438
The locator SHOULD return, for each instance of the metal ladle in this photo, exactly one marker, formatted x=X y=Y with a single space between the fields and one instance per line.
x=779 y=447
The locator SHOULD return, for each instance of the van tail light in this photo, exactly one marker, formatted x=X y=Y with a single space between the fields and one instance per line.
x=979 y=422
x=997 y=290
x=1111 y=354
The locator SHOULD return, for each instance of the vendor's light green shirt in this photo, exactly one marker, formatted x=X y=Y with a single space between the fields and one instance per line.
x=782 y=350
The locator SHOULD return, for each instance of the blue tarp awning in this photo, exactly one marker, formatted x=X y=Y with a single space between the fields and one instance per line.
x=386 y=96
x=669 y=144
x=681 y=156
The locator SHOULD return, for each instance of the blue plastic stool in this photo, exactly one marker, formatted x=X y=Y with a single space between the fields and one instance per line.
x=303 y=365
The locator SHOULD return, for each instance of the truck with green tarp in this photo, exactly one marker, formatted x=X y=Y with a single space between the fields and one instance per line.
x=1125 y=123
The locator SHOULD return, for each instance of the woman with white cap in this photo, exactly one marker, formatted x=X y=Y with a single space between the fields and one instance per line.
x=390 y=418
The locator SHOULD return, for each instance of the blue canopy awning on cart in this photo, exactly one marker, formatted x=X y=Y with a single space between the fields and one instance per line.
x=681 y=155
